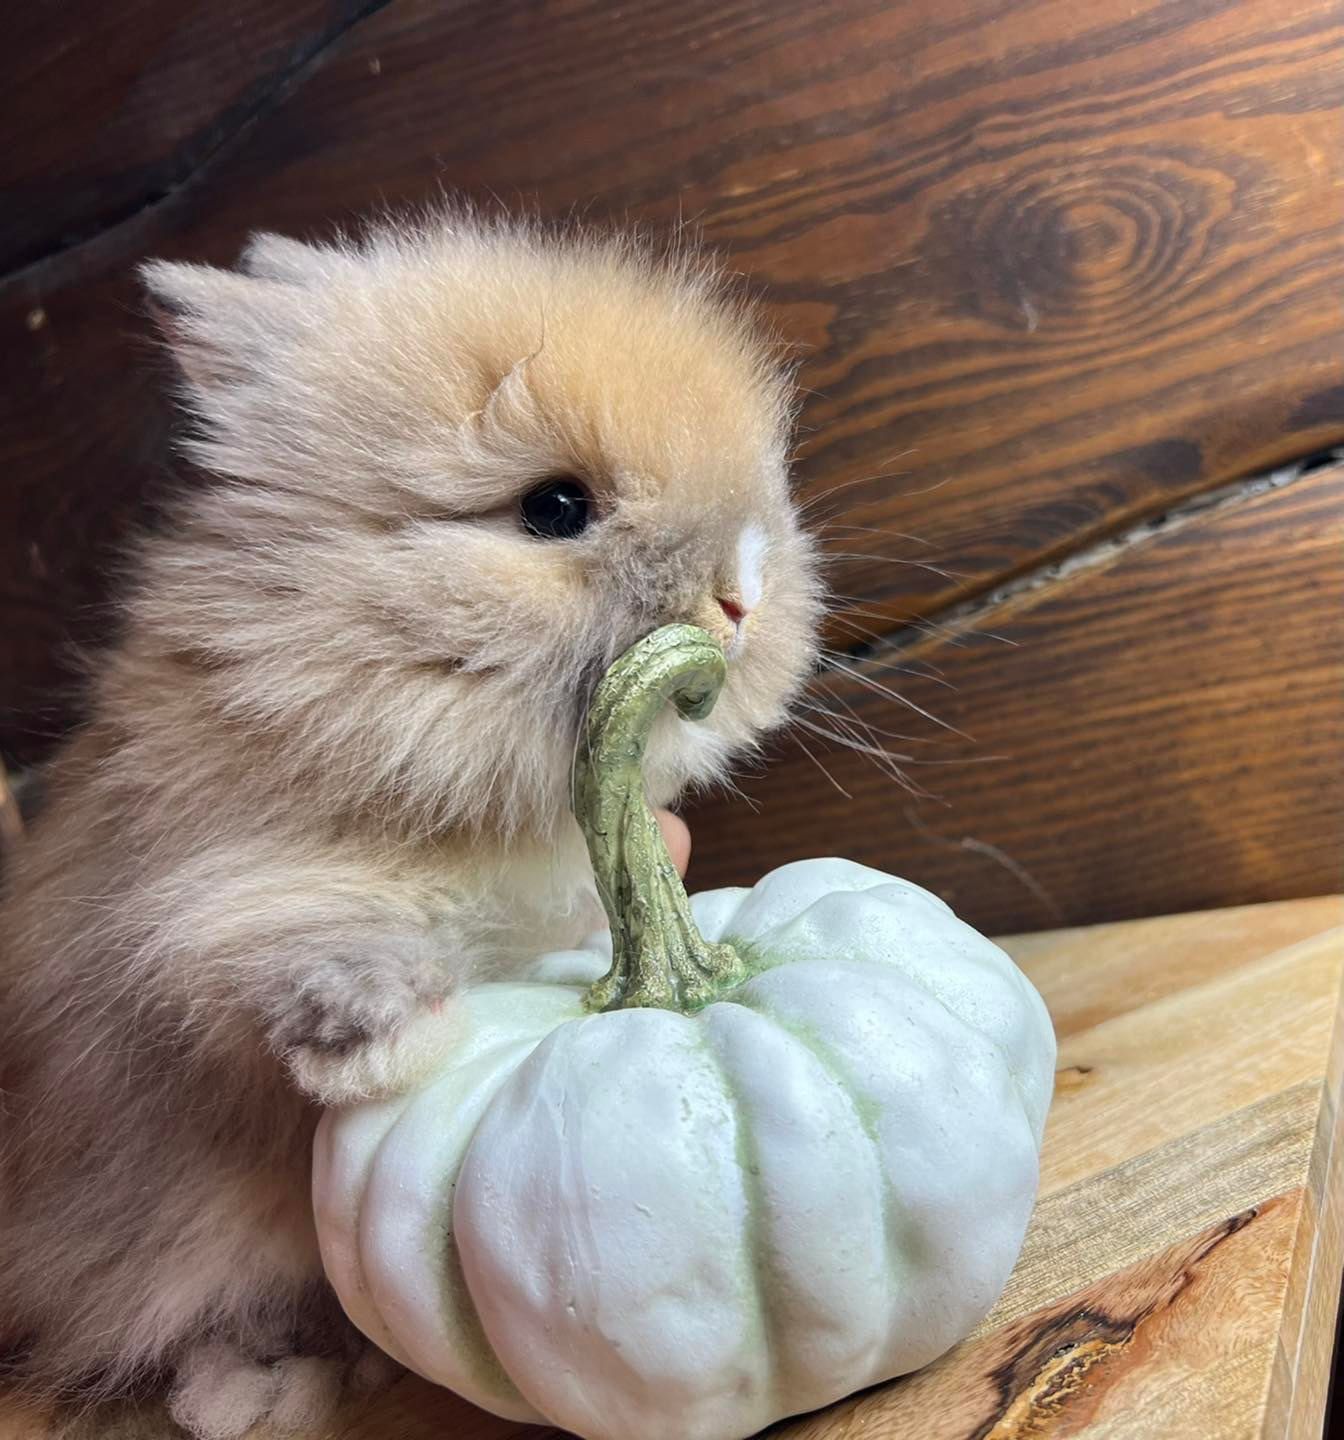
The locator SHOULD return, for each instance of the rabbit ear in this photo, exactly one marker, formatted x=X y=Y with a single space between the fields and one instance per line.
x=292 y=262
x=222 y=327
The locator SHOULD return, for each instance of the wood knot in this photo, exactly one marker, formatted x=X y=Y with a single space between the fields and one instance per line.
x=1033 y=1409
x=1072 y=1077
x=1083 y=248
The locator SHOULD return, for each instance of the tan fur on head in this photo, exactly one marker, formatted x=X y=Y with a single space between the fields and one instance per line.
x=363 y=589
x=326 y=775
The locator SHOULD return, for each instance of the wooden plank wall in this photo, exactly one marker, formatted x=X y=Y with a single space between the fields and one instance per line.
x=1065 y=277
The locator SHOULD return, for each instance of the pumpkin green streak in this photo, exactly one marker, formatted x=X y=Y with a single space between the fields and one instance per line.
x=659 y=957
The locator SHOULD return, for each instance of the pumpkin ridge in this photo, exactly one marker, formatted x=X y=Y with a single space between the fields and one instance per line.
x=385 y=1339
x=474 y=1344
x=749 y=1169
x=1024 y=990
x=863 y=1114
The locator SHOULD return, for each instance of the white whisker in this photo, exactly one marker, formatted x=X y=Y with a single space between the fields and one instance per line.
x=875 y=530
x=844 y=663
x=884 y=759
x=857 y=719
x=880 y=689
x=1000 y=857
x=892 y=560
x=815 y=500
x=803 y=746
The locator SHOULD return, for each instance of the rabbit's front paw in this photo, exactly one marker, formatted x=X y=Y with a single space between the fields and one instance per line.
x=350 y=1027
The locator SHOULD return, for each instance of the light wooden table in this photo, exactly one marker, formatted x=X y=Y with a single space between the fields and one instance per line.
x=1181 y=1274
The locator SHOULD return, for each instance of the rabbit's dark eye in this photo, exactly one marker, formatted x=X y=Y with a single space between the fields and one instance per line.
x=557 y=509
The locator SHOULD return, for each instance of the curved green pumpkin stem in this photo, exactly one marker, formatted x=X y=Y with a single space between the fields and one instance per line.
x=659 y=958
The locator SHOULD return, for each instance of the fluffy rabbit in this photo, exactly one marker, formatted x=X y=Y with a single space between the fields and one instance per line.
x=456 y=468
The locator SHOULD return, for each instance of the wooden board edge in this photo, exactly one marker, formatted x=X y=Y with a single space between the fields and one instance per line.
x=1300 y=1382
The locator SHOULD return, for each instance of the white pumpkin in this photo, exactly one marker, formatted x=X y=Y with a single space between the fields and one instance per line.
x=643 y=1224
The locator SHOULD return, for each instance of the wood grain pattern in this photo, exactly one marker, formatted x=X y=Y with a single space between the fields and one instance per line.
x=1050 y=267
x=1156 y=731
x=1159 y=1349
x=118 y=105
x=1177 y=1280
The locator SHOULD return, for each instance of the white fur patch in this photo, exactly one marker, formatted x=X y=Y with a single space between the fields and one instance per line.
x=219 y=1394
x=383 y=1067
x=308 y=1394
x=751 y=546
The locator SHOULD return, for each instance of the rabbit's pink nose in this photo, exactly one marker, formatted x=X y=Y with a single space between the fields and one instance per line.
x=732 y=610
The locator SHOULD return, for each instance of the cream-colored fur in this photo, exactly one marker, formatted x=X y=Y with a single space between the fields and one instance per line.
x=326 y=772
